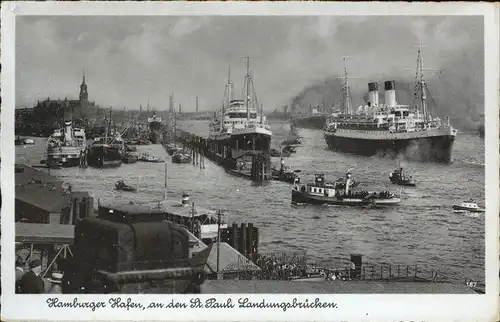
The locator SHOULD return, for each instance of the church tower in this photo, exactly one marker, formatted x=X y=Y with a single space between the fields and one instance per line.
x=84 y=95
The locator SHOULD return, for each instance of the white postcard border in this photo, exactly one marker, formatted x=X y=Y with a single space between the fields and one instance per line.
x=350 y=307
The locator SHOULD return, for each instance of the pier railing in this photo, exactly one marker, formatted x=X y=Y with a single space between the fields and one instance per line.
x=290 y=266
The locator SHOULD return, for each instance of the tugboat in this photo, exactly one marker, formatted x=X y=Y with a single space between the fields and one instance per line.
x=120 y=185
x=470 y=206
x=399 y=177
x=286 y=174
x=321 y=192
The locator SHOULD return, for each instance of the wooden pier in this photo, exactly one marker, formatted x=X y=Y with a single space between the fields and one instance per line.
x=234 y=162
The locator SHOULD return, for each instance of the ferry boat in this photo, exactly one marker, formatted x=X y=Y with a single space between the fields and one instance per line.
x=391 y=129
x=238 y=124
x=321 y=192
x=468 y=206
x=64 y=146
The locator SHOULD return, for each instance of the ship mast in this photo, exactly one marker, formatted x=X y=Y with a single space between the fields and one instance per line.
x=247 y=85
x=346 y=92
x=228 y=94
x=420 y=92
x=419 y=77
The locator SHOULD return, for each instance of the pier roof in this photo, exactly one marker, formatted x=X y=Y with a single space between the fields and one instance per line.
x=331 y=287
x=230 y=260
x=24 y=174
x=44 y=233
x=49 y=197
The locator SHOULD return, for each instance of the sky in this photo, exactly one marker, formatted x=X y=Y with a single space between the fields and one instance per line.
x=129 y=61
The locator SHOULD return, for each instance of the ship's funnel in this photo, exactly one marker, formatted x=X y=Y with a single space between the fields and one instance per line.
x=390 y=93
x=373 y=93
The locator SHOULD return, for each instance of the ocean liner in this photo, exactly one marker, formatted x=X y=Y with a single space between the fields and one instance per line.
x=391 y=129
x=238 y=123
x=155 y=129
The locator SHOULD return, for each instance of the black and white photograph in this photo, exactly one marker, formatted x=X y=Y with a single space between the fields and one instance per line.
x=216 y=154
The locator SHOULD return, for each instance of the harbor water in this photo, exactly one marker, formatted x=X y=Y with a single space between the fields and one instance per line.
x=422 y=231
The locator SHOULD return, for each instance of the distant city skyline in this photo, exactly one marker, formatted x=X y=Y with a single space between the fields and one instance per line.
x=129 y=61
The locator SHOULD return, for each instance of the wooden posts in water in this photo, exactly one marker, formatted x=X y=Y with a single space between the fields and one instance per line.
x=233 y=240
x=218 y=244
x=222 y=154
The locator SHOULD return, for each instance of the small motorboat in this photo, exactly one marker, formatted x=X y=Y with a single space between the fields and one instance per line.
x=292 y=141
x=172 y=148
x=23 y=141
x=146 y=157
x=181 y=157
x=289 y=149
x=120 y=185
x=468 y=206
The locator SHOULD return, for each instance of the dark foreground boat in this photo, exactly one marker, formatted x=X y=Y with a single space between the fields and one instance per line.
x=468 y=206
x=130 y=157
x=120 y=185
x=104 y=156
x=399 y=177
x=321 y=192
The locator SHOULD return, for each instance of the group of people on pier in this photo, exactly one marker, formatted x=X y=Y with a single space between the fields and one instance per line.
x=31 y=282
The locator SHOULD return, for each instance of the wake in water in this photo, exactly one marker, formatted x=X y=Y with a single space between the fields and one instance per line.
x=467 y=213
x=470 y=160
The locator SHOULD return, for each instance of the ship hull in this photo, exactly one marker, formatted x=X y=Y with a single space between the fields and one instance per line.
x=155 y=136
x=65 y=156
x=304 y=197
x=436 y=148
x=100 y=156
x=251 y=142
